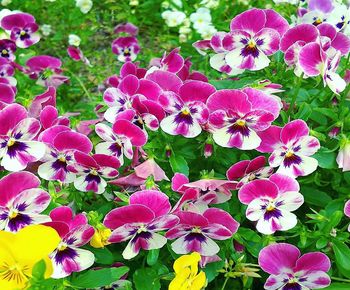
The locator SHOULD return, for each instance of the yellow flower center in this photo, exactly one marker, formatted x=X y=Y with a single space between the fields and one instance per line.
x=93 y=172
x=11 y=142
x=251 y=43
x=196 y=230
x=251 y=177
x=13 y=273
x=185 y=111
x=23 y=32
x=141 y=229
x=61 y=247
x=289 y=154
x=318 y=21
x=4 y=51
x=62 y=158
x=13 y=213
x=240 y=122
x=126 y=50
x=270 y=207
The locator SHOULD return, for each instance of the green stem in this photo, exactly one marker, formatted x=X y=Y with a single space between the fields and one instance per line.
x=340 y=279
x=292 y=103
x=80 y=83
x=225 y=282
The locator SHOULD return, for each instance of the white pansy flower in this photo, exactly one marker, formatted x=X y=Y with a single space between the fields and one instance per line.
x=200 y=18
x=84 y=5
x=5 y=2
x=173 y=18
x=46 y=29
x=74 y=39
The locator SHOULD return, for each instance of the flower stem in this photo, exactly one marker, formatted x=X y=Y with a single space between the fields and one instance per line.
x=80 y=83
x=292 y=103
x=225 y=282
x=340 y=279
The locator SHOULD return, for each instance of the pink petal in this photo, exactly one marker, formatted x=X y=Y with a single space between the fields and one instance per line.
x=10 y=116
x=7 y=94
x=347 y=208
x=294 y=131
x=136 y=135
x=77 y=141
x=196 y=91
x=41 y=101
x=311 y=58
x=270 y=139
x=178 y=181
x=166 y=80
x=252 y=20
x=310 y=262
x=255 y=189
x=276 y=21
x=234 y=100
x=219 y=216
x=284 y=183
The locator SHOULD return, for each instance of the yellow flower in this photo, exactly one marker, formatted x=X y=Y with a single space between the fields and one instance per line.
x=186 y=273
x=100 y=237
x=20 y=251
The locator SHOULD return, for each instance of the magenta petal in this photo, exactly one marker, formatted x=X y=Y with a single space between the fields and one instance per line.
x=166 y=80
x=252 y=20
x=10 y=116
x=278 y=258
x=196 y=91
x=40 y=101
x=311 y=57
x=219 y=216
x=302 y=32
x=192 y=219
x=271 y=138
x=129 y=85
x=41 y=62
x=347 y=208
x=237 y=170
x=128 y=68
x=125 y=128
x=48 y=116
x=16 y=20
x=62 y=214
x=276 y=21
x=7 y=94
x=70 y=140
x=313 y=262
x=255 y=189
x=104 y=160
x=155 y=200
x=149 y=89
x=342 y=43
x=234 y=100
x=85 y=160
x=134 y=213
x=294 y=131
x=256 y=164
x=284 y=182
x=14 y=183
x=61 y=228
x=178 y=181
x=48 y=135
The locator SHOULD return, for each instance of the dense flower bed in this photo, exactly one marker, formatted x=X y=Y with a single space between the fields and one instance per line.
x=227 y=170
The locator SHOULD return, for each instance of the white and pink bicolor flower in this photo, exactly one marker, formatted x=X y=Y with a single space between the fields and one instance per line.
x=140 y=221
x=126 y=48
x=347 y=211
x=291 y=148
x=21 y=201
x=289 y=269
x=17 y=132
x=236 y=116
x=270 y=203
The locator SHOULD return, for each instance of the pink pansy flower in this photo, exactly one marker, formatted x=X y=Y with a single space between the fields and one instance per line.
x=76 y=54
x=60 y=153
x=140 y=174
x=173 y=62
x=289 y=270
x=7 y=49
x=314 y=61
x=49 y=117
x=48 y=98
x=21 y=201
x=255 y=35
x=75 y=233
x=7 y=70
x=237 y=116
x=47 y=70
x=127 y=27
x=291 y=148
x=247 y=170
x=126 y=48
x=7 y=94
x=343 y=157
x=293 y=40
x=221 y=189
x=347 y=211
x=92 y=170
x=319 y=11
x=270 y=203
x=119 y=139
x=140 y=221
x=16 y=138
x=196 y=232
x=23 y=29
x=187 y=110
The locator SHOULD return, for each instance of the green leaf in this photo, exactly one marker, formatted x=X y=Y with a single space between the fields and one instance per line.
x=338 y=286
x=315 y=197
x=98 y=278
x=326 y=159
x=39 y=269
x=102 y=255
x=178 y=164
x=146 y=279
x=342 y=257
x=152 y=257
x=304 y=112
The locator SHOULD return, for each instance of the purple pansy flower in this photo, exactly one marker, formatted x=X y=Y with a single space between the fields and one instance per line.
x=47 y=70
x=196 y=232
x=172 y=62
x=270 y=202
x=74 y=232
x=139 y=222
x=119 y=139
x=127 y=27
x=60 y=153
x=187 y=110
x=248 y=170
x=289 y=270
x=76 y=54
x=17 y=132
x=291 y=148
x=7 y=49
x=126 y=48
x=92 y=170
x=236 y=116
x=21 y=201
x=347 y=211
x=48 y=98
x=23 y=29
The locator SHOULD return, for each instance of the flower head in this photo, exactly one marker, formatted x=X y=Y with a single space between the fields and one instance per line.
x=126 y=48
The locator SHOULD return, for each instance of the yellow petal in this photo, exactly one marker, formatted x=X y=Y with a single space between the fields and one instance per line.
x=6 y=240
x=199 y=281
x=187 y=261
x=49 y=268
x=35 y=242
x=181 y=280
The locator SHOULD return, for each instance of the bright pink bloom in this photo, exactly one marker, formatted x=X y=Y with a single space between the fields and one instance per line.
x=75 y=233
x=7 y=49
x=247 y=170
x=347 y=211
x=47 y=70
x=48 y=98
x=139 y=222
x=61 y=143
x=332 y=41
x=291 y=147
x=127 y=27
x=23 y=29
x=17 y=133
x=270 y=203
x=289 y=270
x=92 y=170
x=196 y=232
x=318 y=12
x=237 y=116
x=76 y=54
x=126 y=48
x=21 y=201
x=173 y=62
x=187 y=110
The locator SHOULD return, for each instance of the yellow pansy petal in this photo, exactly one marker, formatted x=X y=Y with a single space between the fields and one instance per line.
x=199 y=281
x=181 y=280
x=49 y=268
x=187 y=261
x=35 y=242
